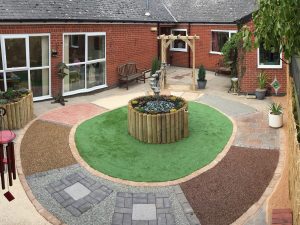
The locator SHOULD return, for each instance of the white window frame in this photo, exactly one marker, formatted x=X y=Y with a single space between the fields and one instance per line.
x=220 y=31
x=172 y=43
x=260 y=66
x=27 y=67
x=86 y=62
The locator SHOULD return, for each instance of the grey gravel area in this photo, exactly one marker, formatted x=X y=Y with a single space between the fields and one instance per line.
x=101 y=213
x=231 y=108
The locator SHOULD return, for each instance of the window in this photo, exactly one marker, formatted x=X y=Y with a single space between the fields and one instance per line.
x=179 y=45
x=25 y=63
x=86 y=58
x=219 y=38
x=268 y=59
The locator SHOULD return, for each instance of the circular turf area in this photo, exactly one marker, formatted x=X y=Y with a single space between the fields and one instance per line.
x=104 y=143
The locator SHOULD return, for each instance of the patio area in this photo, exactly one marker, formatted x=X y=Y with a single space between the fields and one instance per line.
x=63 y=189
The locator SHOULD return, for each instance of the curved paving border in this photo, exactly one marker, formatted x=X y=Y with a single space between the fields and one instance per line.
x=245 y=217
x=211 y=165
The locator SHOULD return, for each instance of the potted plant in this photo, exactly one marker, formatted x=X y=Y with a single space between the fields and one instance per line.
x=155 y=65
x=275 y=115
x=262 y=83
x=201 y=77
x=62 y=70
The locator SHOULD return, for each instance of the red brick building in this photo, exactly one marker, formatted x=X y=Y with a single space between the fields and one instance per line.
x=94 y=37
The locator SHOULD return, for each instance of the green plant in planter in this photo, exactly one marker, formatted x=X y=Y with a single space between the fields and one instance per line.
x=61 y=73
x=201 y=73
x=262 y=80
x=201 y=77
x=155 y=65
x=262 y=83
x=276 y=108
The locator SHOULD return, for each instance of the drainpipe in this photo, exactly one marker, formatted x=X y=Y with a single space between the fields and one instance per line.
x=189 y=33
x=158 y=41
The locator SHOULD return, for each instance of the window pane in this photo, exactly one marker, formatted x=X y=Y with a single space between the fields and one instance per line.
x=95 y=74
x=39 y=51
x=17 y=80
x=96 y=47
x=75 y=80
x=39 y=82
x=74 y=49
x=267 y=57
x=1 y=65
x=218 y=40
x=1 y=82
x=177 y=43
x=15 y=52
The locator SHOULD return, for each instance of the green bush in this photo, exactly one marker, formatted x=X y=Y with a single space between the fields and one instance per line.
x=155 y=65
x=201 y=73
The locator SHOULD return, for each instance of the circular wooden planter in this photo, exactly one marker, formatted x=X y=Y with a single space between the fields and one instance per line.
x=18 y=114
x=159 y=128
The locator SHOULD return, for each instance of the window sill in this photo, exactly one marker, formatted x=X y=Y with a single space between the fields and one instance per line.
x=269 y=66
x=215 y=53
x=178 y=49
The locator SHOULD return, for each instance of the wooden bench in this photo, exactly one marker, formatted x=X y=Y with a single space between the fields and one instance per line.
x=129 y=72
x=222 y=68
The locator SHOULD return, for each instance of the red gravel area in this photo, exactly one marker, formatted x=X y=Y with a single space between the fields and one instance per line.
x=221 y=195
x=45 y=146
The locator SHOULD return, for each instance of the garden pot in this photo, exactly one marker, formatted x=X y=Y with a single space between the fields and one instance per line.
x=260 y=93
x=201 y=84
x=275 y=121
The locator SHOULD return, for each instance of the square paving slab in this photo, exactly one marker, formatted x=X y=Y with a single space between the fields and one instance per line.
x=144 y=212
x=77 y=191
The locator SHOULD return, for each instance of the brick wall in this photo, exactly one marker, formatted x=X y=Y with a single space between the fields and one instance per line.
x=124 y=43
x=203 y=46
x=249 y=83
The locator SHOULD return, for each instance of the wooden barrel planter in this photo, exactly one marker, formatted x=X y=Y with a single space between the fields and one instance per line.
x=161 y=128
x=19 y=113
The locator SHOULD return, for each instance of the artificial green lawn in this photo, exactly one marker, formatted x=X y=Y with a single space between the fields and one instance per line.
x=104 y=143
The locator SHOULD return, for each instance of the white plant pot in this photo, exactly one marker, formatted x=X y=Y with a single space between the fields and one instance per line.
x=275 y=121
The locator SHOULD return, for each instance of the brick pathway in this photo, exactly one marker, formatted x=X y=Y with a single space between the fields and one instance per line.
x=72 y=114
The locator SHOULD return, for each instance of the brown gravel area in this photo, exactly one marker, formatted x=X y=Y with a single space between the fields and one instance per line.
x=221 y=195
x=45 y=146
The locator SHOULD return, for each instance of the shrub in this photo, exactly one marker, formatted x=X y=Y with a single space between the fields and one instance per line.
x=201 y=73
x=155 y=65
x=262 y=80
x=276 y=108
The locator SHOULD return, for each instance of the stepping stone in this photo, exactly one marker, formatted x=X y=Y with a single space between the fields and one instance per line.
x=77 y=191
x=144 y=212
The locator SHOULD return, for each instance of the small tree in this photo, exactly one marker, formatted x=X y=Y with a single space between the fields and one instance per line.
x=61 y=73
x=155 y=65
x=201 y=73
x=277 y=26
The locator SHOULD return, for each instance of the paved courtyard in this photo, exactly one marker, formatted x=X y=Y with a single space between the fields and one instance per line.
x=70 y=194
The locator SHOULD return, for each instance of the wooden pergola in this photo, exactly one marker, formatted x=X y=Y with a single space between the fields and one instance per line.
x=166 y=40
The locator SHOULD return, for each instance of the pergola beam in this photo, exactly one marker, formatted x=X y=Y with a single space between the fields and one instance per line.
x=166 y=40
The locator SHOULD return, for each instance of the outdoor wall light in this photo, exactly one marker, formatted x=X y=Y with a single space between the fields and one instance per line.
x=54 y=53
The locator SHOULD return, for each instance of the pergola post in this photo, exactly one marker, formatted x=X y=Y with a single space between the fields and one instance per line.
x=165 y=42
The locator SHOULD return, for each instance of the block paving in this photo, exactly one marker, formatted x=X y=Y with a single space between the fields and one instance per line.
x=126 y=201
x=97 y=193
